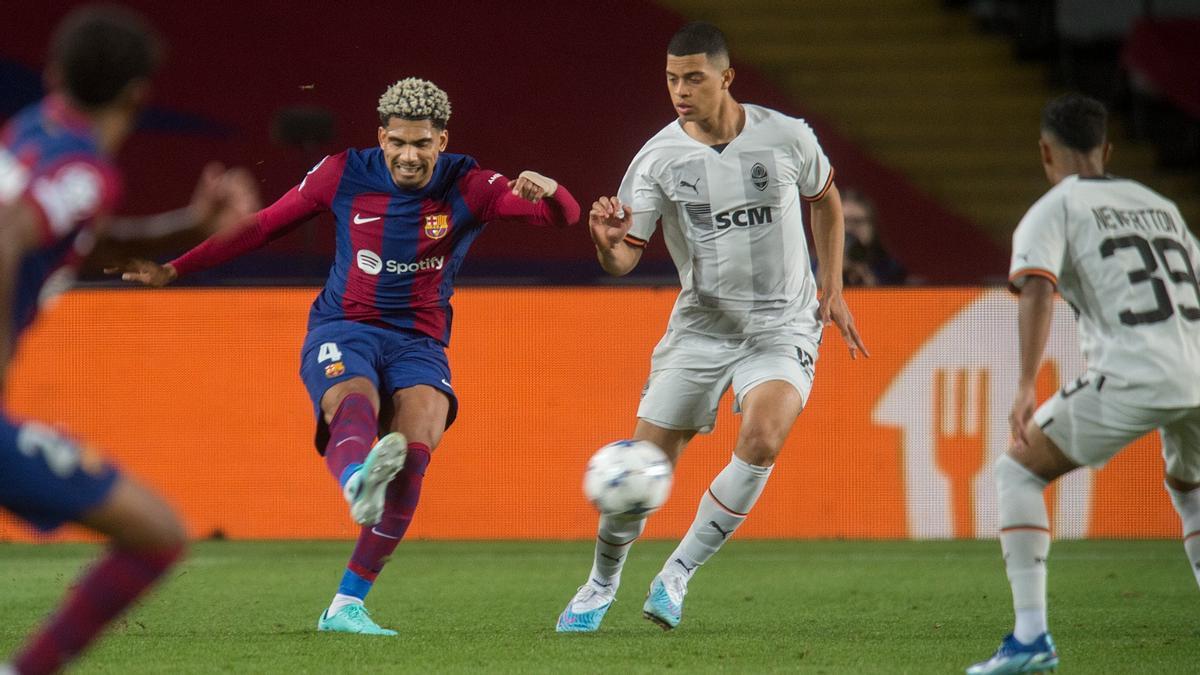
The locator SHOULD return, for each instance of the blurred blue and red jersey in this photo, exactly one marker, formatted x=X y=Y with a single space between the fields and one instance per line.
x=49 y=157
x=398 y=250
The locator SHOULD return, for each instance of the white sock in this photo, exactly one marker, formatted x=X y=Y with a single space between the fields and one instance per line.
x=340 y=601
x=722 y=508
x=614 y=536
x=1025 y=540
x=1187 y=505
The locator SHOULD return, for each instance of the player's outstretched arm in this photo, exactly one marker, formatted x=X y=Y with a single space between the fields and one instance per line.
x=145 y=271
x=1034 y=311
x=252 y=233
x=609 y=222
x=18 y=234
x=222 y=198
x=829 y=236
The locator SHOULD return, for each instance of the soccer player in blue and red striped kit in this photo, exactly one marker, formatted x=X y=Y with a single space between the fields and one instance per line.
x=374 y=358
x=58 y=189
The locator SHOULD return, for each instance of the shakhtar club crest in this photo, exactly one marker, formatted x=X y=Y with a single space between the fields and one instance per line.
x=436 y=225
x=759 y=177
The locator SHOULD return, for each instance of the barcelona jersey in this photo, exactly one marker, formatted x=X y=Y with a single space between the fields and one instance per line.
x=397 y=249
x=50 y=158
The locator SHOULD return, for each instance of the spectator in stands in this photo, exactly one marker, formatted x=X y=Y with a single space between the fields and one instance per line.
x=867 y=261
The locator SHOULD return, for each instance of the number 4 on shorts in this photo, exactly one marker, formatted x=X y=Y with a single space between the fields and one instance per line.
x=329 y=352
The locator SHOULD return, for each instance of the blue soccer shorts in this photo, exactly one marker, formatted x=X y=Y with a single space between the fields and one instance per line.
x=390 y=358
x=48 y=479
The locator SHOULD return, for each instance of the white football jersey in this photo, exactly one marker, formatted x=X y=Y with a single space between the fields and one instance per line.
x=1124 y=259
x=732 y=223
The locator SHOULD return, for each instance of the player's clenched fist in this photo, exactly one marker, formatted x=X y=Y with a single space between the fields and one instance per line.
x=145 y=271
x=609 y=222
x=532 y=186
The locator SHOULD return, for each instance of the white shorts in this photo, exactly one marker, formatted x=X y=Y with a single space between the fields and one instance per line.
x=690 y=372
x=1090 y=424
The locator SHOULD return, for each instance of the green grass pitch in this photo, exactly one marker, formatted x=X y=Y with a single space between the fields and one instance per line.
x=758 y=606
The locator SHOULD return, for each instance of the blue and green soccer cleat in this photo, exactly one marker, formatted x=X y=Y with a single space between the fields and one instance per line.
x=664 y=603
x=585 y=611
x=367 y=488
x=1016 y=657
x=352 y=618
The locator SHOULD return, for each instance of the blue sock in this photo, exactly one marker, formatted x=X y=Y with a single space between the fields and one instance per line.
x=354 y=585
x=347 y=472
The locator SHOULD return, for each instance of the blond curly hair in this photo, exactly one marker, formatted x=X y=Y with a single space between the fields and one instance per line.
x=415 y=99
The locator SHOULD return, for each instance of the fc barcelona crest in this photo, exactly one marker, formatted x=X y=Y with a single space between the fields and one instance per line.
x=436 y=226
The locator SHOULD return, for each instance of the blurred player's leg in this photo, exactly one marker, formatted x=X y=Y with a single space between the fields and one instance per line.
x=770 y=410
x=147 y=539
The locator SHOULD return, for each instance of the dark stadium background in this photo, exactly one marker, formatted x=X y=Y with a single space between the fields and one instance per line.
x=572 y=94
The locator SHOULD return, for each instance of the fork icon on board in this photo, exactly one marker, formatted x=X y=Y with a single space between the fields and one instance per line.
x=960 y=409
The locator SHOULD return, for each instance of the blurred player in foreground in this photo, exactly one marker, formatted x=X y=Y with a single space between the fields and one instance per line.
x=374 y=359
x=58 y=187
x=727 y=181
x=1124 y=259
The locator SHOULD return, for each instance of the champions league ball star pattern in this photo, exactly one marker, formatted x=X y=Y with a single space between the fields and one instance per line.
x=628 y=478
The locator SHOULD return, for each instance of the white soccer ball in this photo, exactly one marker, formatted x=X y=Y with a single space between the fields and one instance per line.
x=630 y=479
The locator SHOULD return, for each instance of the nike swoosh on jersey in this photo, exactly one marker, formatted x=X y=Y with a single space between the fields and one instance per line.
x=359 y=220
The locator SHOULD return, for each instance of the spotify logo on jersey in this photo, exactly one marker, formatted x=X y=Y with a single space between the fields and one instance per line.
x=369 y=262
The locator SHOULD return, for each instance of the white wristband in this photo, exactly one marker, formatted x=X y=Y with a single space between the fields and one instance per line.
x=549 y=185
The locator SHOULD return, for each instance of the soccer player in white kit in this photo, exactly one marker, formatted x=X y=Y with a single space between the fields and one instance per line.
x=1124 y=259
x=726 y=180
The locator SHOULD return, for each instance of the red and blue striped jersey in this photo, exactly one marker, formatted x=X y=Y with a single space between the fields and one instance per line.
x=397 y=249
x=49 y=157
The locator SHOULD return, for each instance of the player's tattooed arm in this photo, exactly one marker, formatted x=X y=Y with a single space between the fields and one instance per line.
x=609 y=222
x=1034 y=311
x=19 y=232
x=829 y=236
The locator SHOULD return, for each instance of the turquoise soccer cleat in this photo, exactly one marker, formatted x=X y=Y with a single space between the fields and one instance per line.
x=664 y=602
x=585 y=611
x=367 y=488
x=1016 y=657
x=351 y=619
